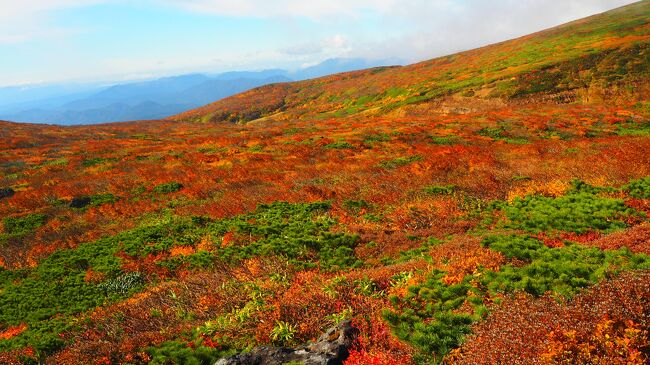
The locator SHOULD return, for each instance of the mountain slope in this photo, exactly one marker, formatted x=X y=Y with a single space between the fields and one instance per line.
x=598 y=57
x=456 y=216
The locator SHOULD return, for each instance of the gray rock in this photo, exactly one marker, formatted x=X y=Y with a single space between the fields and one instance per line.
x=332 y=348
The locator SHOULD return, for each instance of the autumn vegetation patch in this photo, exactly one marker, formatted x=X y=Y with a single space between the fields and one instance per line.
x=491 y=206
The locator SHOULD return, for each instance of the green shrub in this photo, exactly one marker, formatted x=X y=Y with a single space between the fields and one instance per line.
x=639 y=188
x=101 y=199
x=499 y=134
x=634 y=129
x=16 y=228
x=446 y=140
x=426 y=317
x=23 y=225
x=55 y=291
x=283 y=332
x=179 y=353
x=577 y=212
x=562 y=271
x=400 y=161
x=82 y=202
x=298 y=232
x=520 y=247
x=377 y=137
x=440 y=190
x=339 y=146
x=97 y=161
x=355 y=206
x=54 y=162
x=579 y=186
x=167 y=188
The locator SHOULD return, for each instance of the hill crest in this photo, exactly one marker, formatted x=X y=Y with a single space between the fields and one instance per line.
x=589 y=59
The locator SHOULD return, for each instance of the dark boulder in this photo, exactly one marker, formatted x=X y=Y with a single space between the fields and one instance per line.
x=6 y=193
x=80 y=202
x=332 y=348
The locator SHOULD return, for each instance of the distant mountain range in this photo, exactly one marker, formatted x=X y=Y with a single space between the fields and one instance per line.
x=70 y=104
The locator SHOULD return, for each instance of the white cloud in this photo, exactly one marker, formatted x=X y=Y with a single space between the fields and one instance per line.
x=417 y=10
x=303 y=49
x=447 y=26
x=315 y=9
x=409 y=29
x=21 y=20
x=436 y=27
x=338 y=41
x=13 y=9
x=332 y=46
x=27 y=19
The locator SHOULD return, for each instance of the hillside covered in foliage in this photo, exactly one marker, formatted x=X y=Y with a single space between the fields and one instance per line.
x=487 y=207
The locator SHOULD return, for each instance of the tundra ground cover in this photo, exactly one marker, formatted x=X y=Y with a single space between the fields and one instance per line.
x=391 y=236
x=432 y=205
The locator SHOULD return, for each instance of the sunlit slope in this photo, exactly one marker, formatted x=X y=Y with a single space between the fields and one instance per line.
x=603 y=57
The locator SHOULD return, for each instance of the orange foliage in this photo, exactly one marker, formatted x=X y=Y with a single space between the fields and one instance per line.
x=227 y=239
x=181 y=250
x=12 y=331
x=93 y=276
x=612 y=342
x=462 y=257
x=553 y=188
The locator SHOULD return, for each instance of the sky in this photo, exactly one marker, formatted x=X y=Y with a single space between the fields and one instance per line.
x=49 y=41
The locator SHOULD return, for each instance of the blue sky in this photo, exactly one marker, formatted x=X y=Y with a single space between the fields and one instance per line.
x=44 y=41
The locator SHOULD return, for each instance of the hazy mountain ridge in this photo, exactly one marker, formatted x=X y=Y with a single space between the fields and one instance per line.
x=151 y=99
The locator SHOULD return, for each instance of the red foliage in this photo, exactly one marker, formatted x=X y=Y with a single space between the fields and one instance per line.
x=636 y=238
x=364 y=358
x=524 y=330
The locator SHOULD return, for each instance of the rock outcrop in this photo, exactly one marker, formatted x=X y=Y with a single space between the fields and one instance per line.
x=332 y=348
x=80 y=202
x=6 y=193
